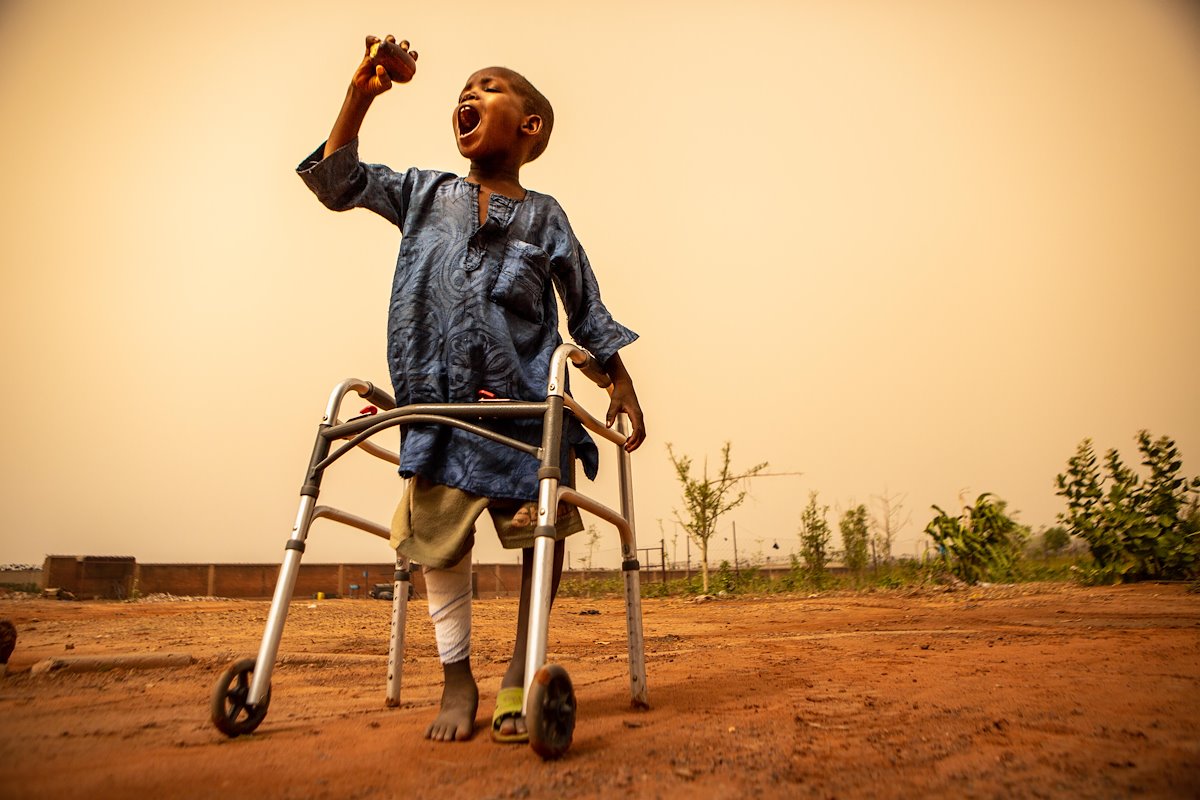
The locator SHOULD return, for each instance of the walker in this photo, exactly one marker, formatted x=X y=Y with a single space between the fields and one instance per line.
x=243 y=692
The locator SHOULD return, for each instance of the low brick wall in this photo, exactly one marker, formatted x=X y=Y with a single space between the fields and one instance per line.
x=258 y=580
x=120 y=577
x=86 y=577
x=23 y=578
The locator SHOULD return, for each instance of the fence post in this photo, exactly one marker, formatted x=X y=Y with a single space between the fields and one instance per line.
x=735 y=557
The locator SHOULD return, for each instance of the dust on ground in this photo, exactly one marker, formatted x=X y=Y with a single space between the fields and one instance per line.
x=1045 y=690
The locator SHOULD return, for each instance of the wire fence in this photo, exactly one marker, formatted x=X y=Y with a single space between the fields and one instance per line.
x=685 y=555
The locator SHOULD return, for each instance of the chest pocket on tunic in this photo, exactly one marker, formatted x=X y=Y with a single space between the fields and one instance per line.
x=521 y=283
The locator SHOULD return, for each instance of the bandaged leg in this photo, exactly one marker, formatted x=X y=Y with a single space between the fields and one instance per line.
x=449 y=592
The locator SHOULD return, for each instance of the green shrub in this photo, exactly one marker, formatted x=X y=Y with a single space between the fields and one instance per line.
x=1136 y=527
x=982 y=543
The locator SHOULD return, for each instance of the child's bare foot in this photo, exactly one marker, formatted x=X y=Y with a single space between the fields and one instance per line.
x=460 y=700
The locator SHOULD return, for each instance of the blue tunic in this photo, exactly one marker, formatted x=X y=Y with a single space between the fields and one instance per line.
x=472 y=309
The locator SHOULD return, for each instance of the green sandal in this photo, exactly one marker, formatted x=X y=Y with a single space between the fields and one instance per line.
x=509 y=702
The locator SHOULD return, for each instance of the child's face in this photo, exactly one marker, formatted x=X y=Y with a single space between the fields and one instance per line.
x=490 y=122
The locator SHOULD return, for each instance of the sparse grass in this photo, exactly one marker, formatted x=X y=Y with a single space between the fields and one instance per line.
x=592 y=586
x=899 y=574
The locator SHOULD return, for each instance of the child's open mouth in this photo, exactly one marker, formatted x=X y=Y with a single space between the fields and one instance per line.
x=468 y=120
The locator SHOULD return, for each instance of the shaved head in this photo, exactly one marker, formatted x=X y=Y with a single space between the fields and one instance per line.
x=534 y=103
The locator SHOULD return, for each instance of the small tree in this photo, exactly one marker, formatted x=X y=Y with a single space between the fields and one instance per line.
x=593 y=536
x=707 y=500
x=814 y=538
x=982 y=542
x=853 y=525
x=1054 y=540
x=886 y=524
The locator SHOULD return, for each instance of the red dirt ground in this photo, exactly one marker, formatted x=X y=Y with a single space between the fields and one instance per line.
x=1004 y=691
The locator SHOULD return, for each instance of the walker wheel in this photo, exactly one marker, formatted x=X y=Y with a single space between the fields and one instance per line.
x=232 y=715
x=550 y=712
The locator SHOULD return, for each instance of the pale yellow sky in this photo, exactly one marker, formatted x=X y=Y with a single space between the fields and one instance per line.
x=918 y=246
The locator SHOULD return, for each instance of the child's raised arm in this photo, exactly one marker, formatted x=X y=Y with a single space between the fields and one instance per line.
x=384 y=63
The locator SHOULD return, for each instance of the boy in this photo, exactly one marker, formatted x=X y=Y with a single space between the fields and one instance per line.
x=473 y=315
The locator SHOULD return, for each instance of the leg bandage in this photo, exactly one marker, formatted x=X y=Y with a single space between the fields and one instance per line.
x=449 y=592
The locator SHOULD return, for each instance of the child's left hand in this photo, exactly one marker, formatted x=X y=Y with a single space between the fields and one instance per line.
x=623 y=400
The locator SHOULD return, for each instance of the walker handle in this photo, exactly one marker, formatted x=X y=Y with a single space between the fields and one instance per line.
x=589 y=366
x=377 y=397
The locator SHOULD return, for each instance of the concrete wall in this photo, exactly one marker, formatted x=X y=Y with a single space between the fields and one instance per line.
x=21 y=577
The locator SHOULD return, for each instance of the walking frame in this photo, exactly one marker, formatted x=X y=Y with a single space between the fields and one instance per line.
x=243 y=693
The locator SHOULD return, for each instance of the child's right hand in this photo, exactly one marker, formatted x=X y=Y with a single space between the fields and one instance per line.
x=385 y=62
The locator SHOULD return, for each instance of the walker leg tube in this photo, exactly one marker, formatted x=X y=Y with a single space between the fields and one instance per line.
x=542 y=577
x=396 y=643
x=640 y=697
x=633 y=592
x=264 y=664
x=541 y=582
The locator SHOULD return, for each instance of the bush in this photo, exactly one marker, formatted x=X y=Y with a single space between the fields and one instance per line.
x=982 y=543
x=1136 y=528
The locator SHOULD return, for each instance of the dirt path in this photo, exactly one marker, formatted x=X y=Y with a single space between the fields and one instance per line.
x=1026 y=691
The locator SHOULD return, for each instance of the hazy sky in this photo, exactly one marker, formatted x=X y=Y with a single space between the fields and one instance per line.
x=914 y=246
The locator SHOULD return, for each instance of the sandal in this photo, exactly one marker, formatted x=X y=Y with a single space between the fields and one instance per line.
x=509 y=703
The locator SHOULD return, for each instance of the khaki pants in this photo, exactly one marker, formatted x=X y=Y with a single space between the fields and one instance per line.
x=434 y=525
